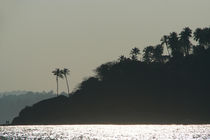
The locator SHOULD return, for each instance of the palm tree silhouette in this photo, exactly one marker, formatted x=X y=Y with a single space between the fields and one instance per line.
x=157 y=54
x=198 y=36
x=174 y=44
x=184 y=38
x=65 y=72
x=58 y=73
x=203 y=37
x=148 y=54
x=153 y=54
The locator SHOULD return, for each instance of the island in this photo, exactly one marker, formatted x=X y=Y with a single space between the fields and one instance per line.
x=169 y=84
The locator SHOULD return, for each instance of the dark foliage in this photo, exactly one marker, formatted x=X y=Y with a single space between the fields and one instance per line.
x=130 y=91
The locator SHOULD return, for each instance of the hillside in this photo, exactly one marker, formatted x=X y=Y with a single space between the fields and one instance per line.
x=12 y=103
x=154 y=90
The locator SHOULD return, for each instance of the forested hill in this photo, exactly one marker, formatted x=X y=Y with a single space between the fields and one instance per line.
x=154 y=88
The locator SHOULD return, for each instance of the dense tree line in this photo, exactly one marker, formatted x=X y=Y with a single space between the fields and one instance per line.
x=165 y=86
x=176 y=45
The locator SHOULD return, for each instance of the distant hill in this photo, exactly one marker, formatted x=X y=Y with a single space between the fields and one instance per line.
x=12 y=102
x=12 y=93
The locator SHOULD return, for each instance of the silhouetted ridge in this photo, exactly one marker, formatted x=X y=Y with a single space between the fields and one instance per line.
x=11 y=103
x=160 y=89
x=49 y=106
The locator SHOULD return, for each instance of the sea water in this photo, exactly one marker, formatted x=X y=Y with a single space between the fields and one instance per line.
x=106 y=132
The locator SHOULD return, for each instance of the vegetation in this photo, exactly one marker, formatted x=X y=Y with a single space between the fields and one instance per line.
x=60 y=74
x=170 y=84
x=65 y=72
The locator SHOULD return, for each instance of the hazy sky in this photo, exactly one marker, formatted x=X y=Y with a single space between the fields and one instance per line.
x=37 y=36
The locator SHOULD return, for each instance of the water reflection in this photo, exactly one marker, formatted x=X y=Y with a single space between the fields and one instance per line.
x=92 y=132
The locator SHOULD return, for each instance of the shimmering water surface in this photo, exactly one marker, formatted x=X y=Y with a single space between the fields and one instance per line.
x=106 y=132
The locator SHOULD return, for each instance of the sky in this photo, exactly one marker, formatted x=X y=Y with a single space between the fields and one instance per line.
x=37 y=36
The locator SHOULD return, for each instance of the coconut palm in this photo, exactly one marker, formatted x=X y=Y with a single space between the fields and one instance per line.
x=58 y=73
x=185 y=40
x=66 y=72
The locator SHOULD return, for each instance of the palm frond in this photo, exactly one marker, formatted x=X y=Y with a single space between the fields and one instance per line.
x=58 y=72
x=66 y=71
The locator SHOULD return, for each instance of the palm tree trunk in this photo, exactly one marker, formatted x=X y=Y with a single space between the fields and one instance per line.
x=168 y=51
x=57 y=84
x=166 y=44
x=67 y=84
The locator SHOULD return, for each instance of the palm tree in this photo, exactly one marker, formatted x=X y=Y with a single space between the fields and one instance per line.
x=134 y=53
x=185 y=40
x=157 y=53
x=66 y=72
x=148 y=54
x=164 y=40
x=198 y=36
x=153 y=54
x=203 y=37
x=58 y=73
x=174 y=45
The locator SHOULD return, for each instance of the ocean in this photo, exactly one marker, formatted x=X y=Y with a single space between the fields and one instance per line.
x=105 y=132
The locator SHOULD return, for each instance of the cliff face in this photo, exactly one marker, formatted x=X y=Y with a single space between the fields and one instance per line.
x=129 y=92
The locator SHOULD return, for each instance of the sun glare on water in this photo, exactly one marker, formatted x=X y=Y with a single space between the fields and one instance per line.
x=104 y=132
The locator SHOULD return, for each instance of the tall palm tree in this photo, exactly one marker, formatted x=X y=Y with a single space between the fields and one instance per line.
x=58 y=73
x=185 y=40
x=66 y=72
